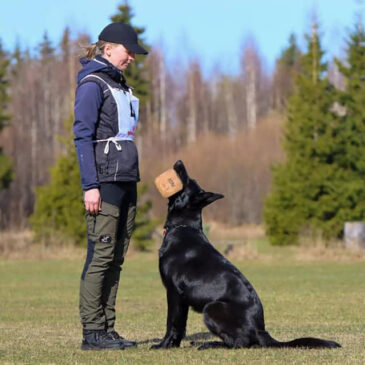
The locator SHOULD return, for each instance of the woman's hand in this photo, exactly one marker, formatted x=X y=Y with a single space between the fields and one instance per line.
x=92 y=201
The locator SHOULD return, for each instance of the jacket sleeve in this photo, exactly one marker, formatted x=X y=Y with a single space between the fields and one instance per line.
x=88 y=101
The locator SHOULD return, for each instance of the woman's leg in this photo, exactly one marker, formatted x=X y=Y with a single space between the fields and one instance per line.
x=128 y=194
x=102 y=236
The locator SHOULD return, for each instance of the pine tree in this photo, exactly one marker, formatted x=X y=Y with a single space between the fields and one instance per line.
x=6 y=171
x=307 y=187
x=65 y=46
x=59 y=211
x=135 y=74
x=17 y=61
x=352 y=109
x=353 y=101
x=46 y=49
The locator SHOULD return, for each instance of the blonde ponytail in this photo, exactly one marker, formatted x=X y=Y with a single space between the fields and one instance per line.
x=94 y=49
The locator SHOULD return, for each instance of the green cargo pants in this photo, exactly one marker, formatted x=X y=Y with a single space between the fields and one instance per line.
x=109 y=233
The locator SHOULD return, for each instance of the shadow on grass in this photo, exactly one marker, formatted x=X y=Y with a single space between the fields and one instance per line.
x=193 y=338
x=151 y=341
x=200 y=340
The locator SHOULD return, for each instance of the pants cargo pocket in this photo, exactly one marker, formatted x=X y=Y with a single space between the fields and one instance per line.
x=106 y=224
x=102 y=227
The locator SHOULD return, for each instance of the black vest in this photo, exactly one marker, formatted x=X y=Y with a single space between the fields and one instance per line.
x=117 y=164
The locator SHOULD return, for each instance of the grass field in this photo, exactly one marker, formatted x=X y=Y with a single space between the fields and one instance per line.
x=39 y=321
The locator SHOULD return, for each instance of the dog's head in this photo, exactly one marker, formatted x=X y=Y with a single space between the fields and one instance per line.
x=192 y=196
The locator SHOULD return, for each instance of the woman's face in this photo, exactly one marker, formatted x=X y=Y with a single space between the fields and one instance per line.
x=118 y=55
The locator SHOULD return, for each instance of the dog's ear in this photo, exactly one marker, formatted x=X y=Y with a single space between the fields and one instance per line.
x=181 y=171
x=205 y=198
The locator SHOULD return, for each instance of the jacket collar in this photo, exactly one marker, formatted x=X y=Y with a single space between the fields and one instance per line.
x=99 y=63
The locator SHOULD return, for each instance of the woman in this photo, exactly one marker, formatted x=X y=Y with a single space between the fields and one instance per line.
x=106 y=115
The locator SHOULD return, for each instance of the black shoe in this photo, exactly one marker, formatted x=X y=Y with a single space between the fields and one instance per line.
x=126 y=343
x=99 y=340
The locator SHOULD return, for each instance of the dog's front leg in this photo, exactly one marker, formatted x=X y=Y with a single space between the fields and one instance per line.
x=176 y=321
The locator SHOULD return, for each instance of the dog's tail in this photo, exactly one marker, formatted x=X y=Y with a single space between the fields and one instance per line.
x=266 y=340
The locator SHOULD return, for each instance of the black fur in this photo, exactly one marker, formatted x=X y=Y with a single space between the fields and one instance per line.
x=196 y=275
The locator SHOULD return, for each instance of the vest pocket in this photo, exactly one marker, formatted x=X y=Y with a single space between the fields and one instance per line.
x=112 y=163
x=101 y=160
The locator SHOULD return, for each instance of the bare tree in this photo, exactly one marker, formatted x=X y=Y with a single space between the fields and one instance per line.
x=191 y=80
x=250 y=68
x=228 y=92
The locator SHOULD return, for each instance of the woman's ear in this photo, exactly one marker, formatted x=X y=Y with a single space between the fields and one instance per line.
x=107 y=49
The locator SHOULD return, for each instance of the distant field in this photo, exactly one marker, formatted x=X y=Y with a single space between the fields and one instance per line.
x=39 y=320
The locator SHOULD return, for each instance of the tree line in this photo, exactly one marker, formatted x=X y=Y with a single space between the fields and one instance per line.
x=227 y=127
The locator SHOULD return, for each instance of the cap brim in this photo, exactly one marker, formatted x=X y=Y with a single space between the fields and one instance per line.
x=136 y=48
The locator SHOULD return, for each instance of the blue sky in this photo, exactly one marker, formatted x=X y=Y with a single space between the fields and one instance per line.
x=213 y=30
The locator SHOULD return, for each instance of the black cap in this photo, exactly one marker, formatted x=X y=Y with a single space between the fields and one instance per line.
x=122 y=34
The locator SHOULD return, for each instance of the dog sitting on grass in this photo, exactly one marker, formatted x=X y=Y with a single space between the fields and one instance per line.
x=196 y=275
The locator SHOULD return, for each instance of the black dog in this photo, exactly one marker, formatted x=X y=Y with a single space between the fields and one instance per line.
x=195 y=274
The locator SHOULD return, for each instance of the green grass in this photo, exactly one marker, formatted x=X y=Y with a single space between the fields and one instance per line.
x=39 y=320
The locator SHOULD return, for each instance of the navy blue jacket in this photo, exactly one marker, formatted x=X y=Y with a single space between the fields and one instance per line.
x=96 y=118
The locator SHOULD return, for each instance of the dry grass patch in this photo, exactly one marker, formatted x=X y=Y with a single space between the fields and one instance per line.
x=318 y=250
x=237 y=243
x=223 y=232
x=20 y=245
